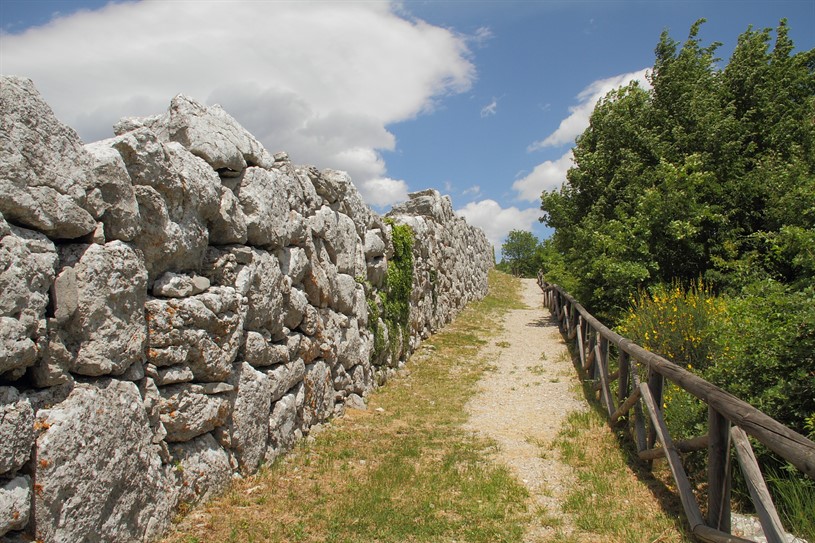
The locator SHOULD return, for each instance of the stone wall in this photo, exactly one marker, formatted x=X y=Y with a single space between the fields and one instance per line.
x=178 y=306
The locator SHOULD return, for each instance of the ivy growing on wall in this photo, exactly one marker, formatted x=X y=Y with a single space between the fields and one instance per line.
x=392 y=303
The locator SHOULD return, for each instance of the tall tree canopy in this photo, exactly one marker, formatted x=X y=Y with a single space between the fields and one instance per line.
x=709 y=173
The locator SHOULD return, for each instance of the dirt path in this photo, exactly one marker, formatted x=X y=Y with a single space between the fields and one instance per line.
x=522 y=403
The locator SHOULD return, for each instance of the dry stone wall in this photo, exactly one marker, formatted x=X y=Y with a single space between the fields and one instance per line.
x=178 y=306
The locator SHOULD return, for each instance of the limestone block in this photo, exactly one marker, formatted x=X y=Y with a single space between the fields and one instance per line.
x=361 y=379
x=339 y=233
x=284 y=377
x=112 y=199
x=260 y=352
x=203 y=468
x=189 y=410
x=263 y=199
x=175 y=285
x=319 y=394
x=345 y=293
x=283 y=427
x=99 y=474
x=211 y=133
x=46 y=171
x=16 y=430
x=178 y=195
x=107 y=331
x=265 y=289
x=229 y=224
x=28 y=271
x=248 y=422
x=296 y=307
x=203 y=332
x=15 y=504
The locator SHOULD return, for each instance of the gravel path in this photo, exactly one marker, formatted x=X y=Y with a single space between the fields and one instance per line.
x=522 y=403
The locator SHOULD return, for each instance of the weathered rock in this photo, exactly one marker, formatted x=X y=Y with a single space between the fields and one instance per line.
x=345 y=288
x=112 y=199
x=262 y=197
x=296 y=305
x=229 y=224
x=203 y=332
x=339 y=233
x=187 y=411
x=264 y=285
x=16 y=430
x=285 y=376
x=178 y=195
x=260 y=352
x=248 y=424
x=203 y=468
x=283 y=428
x=319 y=393
x=97 y=445
x=174 y=285
x=212 y=134
x=106 y=333
x=29 y=267
x=173 y=375
x=15 y=504
x=46 y=171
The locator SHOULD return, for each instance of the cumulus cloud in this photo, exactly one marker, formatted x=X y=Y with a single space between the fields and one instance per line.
x=497 y=222
x=548 y=175
x=383 y=191
x=578 y=119
x=321 y=80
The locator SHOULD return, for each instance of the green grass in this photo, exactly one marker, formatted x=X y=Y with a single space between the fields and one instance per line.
x=402 y=471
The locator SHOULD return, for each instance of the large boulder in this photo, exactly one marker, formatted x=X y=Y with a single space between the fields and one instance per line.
x=189 y=410
x=16 y=430
x=203 y=332
x=113 y=200
x=99 y=474
x=26 y=275
x=99 y=301
x=247 y=424
x=46 y=172
x=203 y=469
x=15 y=504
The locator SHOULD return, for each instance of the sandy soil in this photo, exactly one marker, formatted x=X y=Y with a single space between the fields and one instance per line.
x=522 y=403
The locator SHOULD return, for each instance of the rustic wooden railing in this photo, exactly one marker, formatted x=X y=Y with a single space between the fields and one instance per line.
x=730 y=421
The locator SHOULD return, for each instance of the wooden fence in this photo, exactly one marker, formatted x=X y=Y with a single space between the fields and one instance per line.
x=730 y=421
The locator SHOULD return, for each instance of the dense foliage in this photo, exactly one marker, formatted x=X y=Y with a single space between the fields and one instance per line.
x=710 y=173
x=520 y=254
x=688 y=222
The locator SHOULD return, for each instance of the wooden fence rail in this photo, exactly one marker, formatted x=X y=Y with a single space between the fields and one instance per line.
x=730 y=420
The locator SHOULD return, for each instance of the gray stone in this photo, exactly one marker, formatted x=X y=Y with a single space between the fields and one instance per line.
x=202 y=467
x=99 y=474
x=283 y=430
x=212 y=134
x=264 y=285
x=188 y=411
x=107 y=331
x=344 y=293
x=262 y=197
x=203 y=331
x=260 y=352
x=293 y=262
x=15 y=504
x=16 y=430
x=340 y=236
x=45 y=170
x=174 y=285
x=319 y=393
x=178 y=195
x=173 y=374
x=285 y=376
x=229 y=224
x=248 y=423
x=295 y=308
x=28 y=271
x=112 y=199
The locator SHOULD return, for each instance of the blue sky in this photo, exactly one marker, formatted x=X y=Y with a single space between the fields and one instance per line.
x=479 y=99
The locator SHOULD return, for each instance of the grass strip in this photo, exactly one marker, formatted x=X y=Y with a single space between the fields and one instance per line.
x=401 y=471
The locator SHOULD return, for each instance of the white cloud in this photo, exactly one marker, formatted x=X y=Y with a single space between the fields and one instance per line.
x=497 y=222
x=383 y=191
x=578 y=119
x=548 y=175
x=321 y=80
x=490 y=109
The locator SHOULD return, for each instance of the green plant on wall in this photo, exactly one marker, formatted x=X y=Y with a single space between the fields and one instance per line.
x=392 y=303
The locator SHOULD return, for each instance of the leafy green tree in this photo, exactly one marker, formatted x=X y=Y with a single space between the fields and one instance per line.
x=519 y=251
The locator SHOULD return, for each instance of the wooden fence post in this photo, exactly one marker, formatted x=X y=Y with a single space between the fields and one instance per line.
x=718 y=471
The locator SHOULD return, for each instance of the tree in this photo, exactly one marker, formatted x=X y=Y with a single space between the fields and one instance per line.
x=520 y=251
